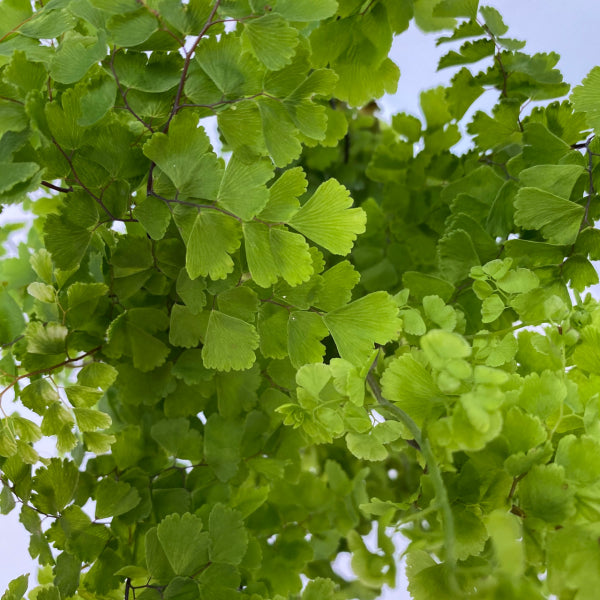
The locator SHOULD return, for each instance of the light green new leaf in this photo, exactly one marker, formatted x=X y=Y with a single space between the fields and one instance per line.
x=228 y=536
x=185 y=156
x=229 y=343
x=184 y=543
x=442 y=315
x=491 y=308
x=212 y=239
x=243 y=190
x=114 y=498
x=305 y=332
x=358 y=325
x=409 y=384
x=328 y=220
x=271 y=39
x=366 y=447
x=557 y=219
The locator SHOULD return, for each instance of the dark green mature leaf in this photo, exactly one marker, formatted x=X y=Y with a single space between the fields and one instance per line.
x=185 y=156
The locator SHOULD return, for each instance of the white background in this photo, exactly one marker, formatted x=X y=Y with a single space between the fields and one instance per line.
x=569 y=28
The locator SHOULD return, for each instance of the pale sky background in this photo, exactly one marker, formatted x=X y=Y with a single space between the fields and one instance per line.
x=569 y=28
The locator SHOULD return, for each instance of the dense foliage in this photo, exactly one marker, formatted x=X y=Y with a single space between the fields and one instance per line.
x=248 y=361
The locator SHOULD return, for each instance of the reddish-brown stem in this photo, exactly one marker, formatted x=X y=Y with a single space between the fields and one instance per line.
x=57 y=188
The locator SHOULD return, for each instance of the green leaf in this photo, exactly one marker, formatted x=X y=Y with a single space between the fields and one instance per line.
x=185 y=156
x=336 y=286
x=281 y=136
x=184 y=543
x=358 y=325
x=229 y=343
x=556 y=179
x=327 y=219
x=55 y=485
x=579 y=457
x=133 y=28
x=557 y=219
x=75 y=55
x=89 y=419
x=12 y=322
x=228 y=536
x=97 y=374
x=271 y=40
x=212 y=239
x=544 y=494
x=470 y=52
x=306 y=10
x=68 y=234
x=154 y=215
x=131 y=334
x=275 y=252
x=50 y=339
x=222 y=446
x=243 y=190
x=16 y=588
x=115 y=498
x=12 y=174
x=585 y=97
x=186 y=328
x=305 y=332
x=283 y=196
x=178 y=439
